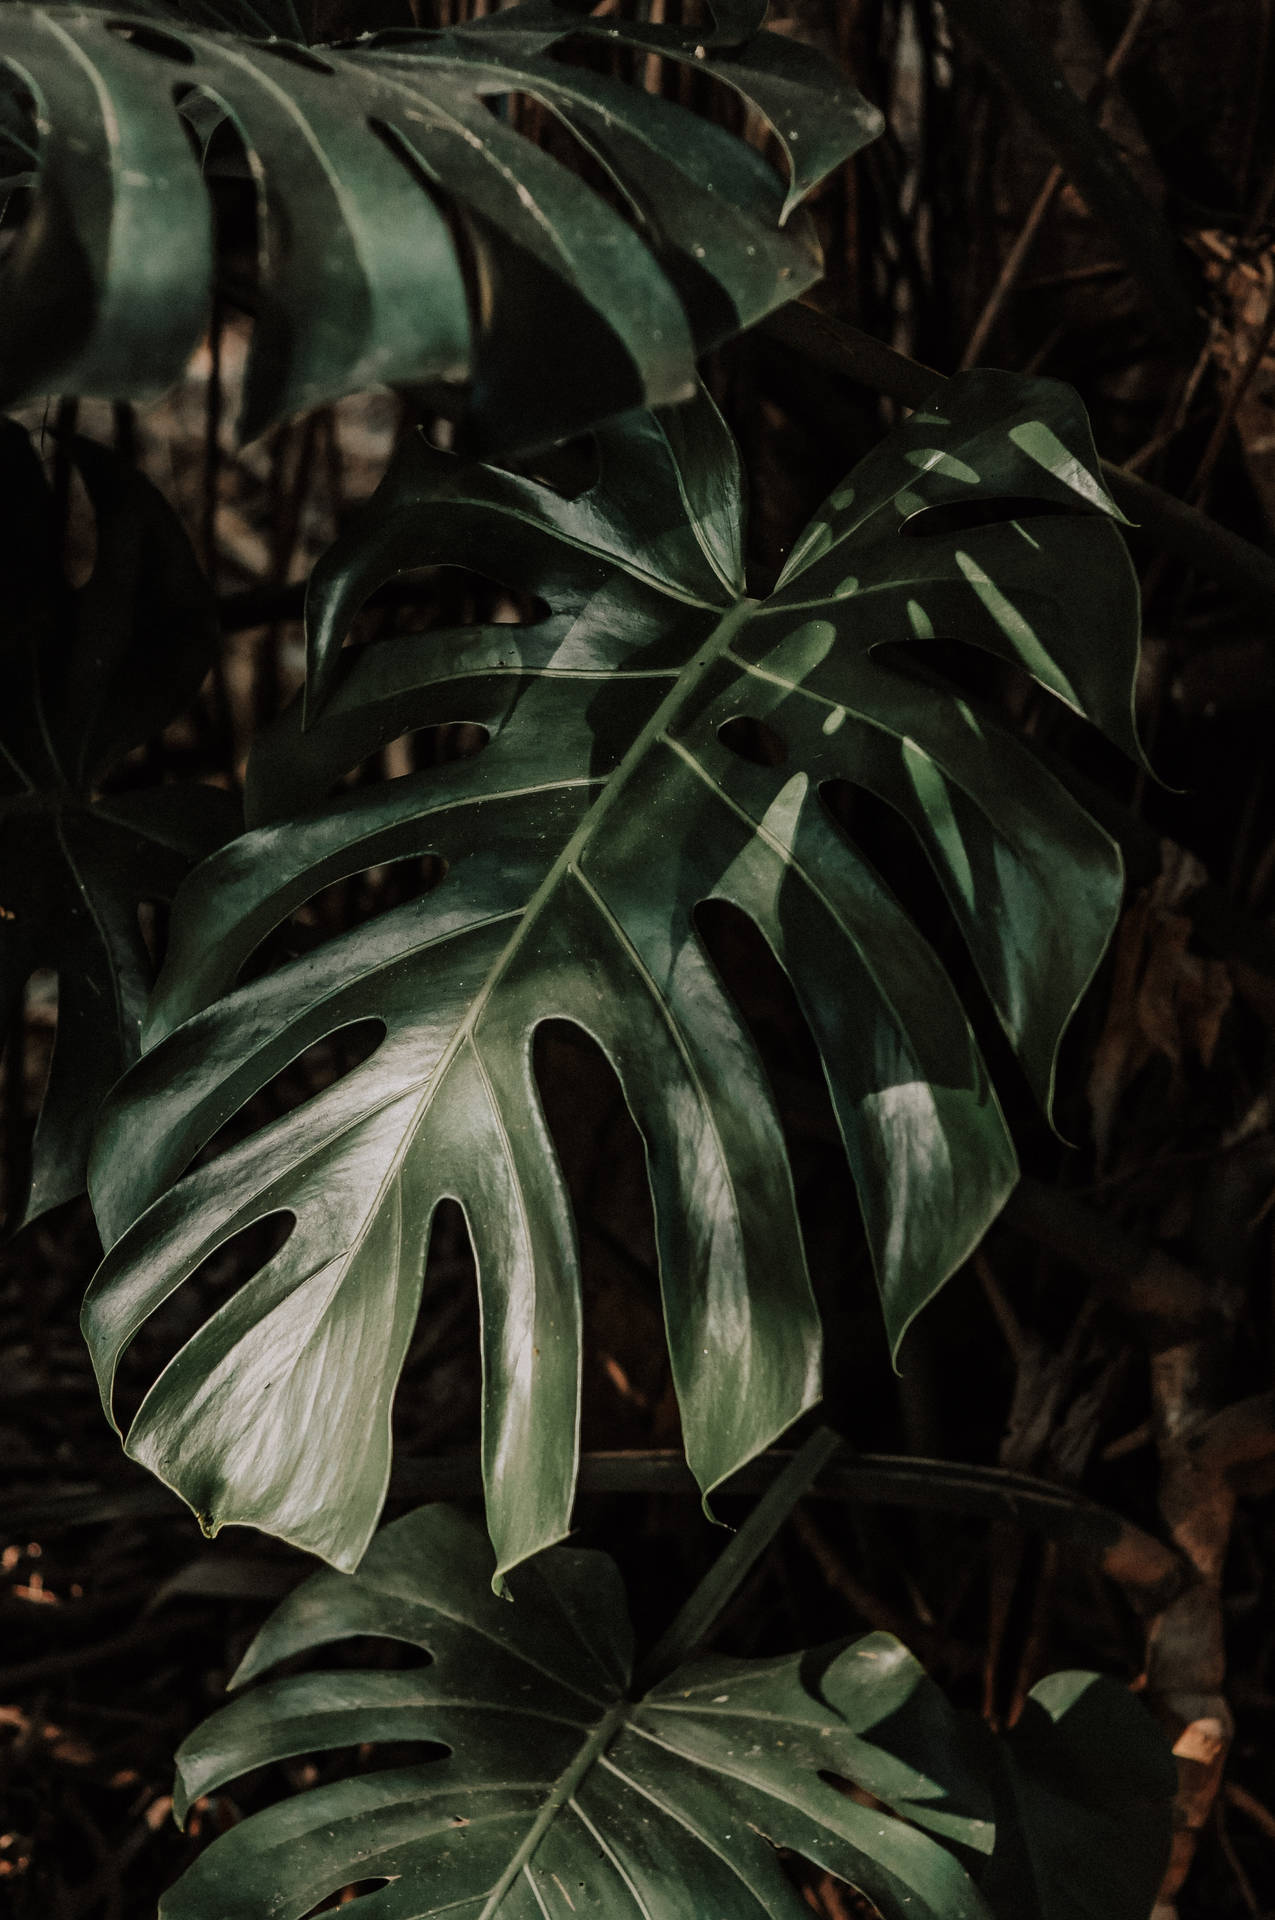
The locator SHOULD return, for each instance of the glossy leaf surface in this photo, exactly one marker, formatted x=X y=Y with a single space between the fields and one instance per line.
x=606 y=806
x=87 y=674
x=557 y=1793
x=407 y=231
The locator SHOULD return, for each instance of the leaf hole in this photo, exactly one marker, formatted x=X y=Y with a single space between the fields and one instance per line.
x=296 y=55
x=459 y=226
x=448 y=596
x=982 y=510
x=860 y=1795
x=416 y=751
x=966 y=669
x=541 y=123
x=857 y=1392
x=753 y=740
x=346 y=1896
x=571 y=469
x=310 y=1072
x=689 y=83
x=233 y=1261
x=438 y=1399
x=882 y=837
x=603 y=1161
x=824 y=1894
x=332 y=910
x=152 y=924
x=166 y=46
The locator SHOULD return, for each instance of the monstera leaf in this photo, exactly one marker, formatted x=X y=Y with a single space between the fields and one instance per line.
x=1084 y=1788
x=569 y=1787
x=86 y=675
x=407 y=231
x=560 y=1792
x=607 y=805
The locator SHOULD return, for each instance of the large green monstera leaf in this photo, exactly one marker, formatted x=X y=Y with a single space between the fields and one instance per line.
x=607 y=805
x=86 y=675
x=560 y=1793
x=408 y=231
x=568 y=1788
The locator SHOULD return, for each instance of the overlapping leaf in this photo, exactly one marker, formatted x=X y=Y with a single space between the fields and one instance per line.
x=85 y=676
x=606 y=807
x=381 y=167
x=566 y=1789
x=559 y=1794
x=1084 y=1788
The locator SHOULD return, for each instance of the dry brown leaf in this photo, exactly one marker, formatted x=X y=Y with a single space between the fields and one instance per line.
x=1244 y=282
x=1165 y=999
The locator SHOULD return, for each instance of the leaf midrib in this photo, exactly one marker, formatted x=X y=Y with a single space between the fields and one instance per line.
x=714 y=647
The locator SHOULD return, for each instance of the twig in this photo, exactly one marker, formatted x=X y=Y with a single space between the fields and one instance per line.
x=1091 y=159
x=1186 y=1648
x=1249 y=1804
x=72 y=1658
x=1012 y=265
x=1234 y=398
x=1139 y=1278
x=869 y=1606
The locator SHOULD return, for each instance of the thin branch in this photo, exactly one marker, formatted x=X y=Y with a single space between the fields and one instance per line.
x=1012 y=265
x=1091 y=159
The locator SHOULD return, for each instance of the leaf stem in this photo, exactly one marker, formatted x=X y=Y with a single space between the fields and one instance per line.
x=693 y=1622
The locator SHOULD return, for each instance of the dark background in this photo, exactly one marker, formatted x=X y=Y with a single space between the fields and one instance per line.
x=1114 y=1332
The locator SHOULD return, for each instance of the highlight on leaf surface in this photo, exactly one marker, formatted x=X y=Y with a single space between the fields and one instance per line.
x=87 y=673
x=607 y=804
x=407 y=231
x=550 y=1782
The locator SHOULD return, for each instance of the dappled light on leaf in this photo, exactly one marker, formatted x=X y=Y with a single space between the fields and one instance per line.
x=657 y=741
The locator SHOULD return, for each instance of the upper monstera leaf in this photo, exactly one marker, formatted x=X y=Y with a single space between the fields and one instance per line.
x=606 y=806
x=407 y=230
x=86 y=675
x=566 y=1788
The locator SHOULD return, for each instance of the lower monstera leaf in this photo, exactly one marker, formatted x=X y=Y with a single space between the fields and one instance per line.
x=1084 y=1787
x=565 y=1789
x=560 y=1793
x=609 y=802
x=87 y=674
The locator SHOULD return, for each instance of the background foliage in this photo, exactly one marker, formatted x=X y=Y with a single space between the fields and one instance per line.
x=1113 y=1332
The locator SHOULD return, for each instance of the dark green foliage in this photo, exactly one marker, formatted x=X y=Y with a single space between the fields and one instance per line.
x=563 y=1789
x=499 y=217
x=86 y=675
x=607 y=805
x=407 y=232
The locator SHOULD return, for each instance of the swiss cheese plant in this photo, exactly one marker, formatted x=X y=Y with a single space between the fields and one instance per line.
x=608 y=804
x=549 y=1777
x=406 y=230
x=506 y=217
